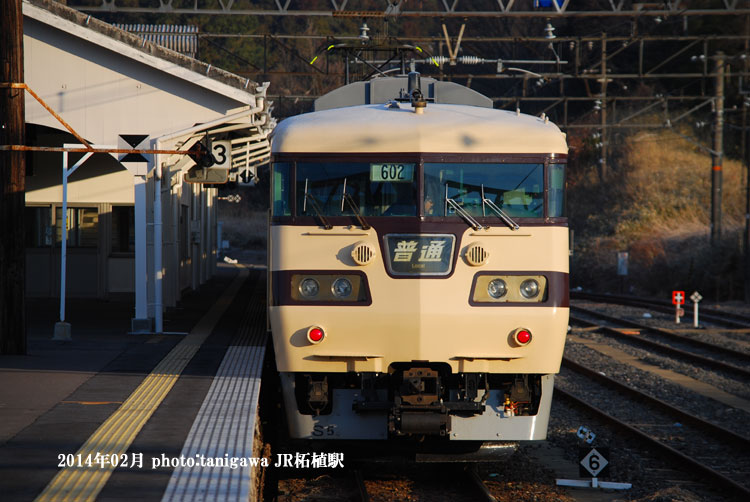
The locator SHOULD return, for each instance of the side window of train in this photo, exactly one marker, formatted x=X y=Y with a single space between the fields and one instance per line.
x=281 y=187
x=556 y=190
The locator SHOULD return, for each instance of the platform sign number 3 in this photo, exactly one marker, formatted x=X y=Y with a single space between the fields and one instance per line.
x=594 y=462
x=222 y=151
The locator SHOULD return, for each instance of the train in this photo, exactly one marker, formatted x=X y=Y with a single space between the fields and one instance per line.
x=417 y=265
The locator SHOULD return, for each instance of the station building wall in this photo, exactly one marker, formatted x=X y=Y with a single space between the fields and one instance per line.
x=100 y=230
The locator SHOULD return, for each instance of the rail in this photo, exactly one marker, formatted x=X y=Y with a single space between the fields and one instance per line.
x=729 y=319
x=719 y=480
x=743 y=356
x=685 y=416
x=682 y=354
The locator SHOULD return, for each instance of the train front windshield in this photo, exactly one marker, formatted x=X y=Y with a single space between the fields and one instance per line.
x=392 y=188
x=517 y=189
x=385 y=189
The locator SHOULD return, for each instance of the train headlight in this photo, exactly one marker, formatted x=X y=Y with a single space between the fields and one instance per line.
x=341 y=287
x=309 y=287
x=324 y=288
x=497 y=288
x=530 y=288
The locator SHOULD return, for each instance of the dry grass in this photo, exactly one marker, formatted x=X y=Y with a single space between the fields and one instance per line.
x=656 y=205
x=669 y=183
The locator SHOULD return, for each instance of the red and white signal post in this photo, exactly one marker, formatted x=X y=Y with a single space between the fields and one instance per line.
x=678 y=298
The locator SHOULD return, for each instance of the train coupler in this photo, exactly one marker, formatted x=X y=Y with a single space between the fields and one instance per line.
x=314 y=394
x=430 y=423
x=423 y=398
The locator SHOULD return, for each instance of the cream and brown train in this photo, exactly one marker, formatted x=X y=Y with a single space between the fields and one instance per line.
x=418 y=265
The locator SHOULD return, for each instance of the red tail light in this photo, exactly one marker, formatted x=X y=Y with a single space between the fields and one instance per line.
x=315 y=334
x=522 y=336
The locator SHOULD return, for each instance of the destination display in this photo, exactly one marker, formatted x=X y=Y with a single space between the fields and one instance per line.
x=419 y=254
x=394 y=173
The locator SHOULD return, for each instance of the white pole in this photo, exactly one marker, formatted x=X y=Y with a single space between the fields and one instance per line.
x=64 y=232
x=158 y=272
x=695 y=314
x=677 y=313
x=141 y=274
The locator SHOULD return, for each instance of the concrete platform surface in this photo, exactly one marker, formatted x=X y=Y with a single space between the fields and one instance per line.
x=57 y=395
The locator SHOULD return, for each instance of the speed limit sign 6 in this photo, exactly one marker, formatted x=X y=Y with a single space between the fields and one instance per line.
x=593 y=462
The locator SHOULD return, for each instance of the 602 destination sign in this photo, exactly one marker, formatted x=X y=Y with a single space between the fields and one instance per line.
x=394 y=173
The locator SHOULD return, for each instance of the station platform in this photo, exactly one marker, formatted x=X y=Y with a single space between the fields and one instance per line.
x=108 y=415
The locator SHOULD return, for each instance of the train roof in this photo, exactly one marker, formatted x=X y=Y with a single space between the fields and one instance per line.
x=442 y=128
x=383 y=89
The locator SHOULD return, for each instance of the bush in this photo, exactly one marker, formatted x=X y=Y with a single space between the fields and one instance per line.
x=656 y=204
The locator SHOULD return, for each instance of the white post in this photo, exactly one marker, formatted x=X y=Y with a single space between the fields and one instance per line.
x=141 y=293
x=695 y=314
x=62 y=328
x=64 y=232
x=677 y=313
x=158 y=268
x=204 y=237
x=696 y=297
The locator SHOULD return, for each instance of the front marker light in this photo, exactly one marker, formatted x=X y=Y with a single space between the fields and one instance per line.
x=530 y=288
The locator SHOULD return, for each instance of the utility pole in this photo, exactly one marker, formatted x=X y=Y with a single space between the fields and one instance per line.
x=605 y=136
x=744 y=137
x=12 y=182
x=717 y=156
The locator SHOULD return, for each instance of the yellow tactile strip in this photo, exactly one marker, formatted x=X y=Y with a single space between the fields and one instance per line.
x=115 y=435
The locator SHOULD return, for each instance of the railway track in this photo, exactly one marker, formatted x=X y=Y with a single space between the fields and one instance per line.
x=719 y=317
x=712 y=446
x=474 y=488
x=675 y=412
x=703 y=449
x=372 y=482
x=708 y=355
x=722 y=350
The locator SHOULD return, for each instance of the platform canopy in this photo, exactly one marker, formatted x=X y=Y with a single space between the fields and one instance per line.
x=91 y=83
x=105 y=82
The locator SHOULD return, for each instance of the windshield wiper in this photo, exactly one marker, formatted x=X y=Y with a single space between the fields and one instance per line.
x=315 y=207
x=464 y=214
x=501 y=214
x=461 y=212
x=345 y=197
x=353 y=205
